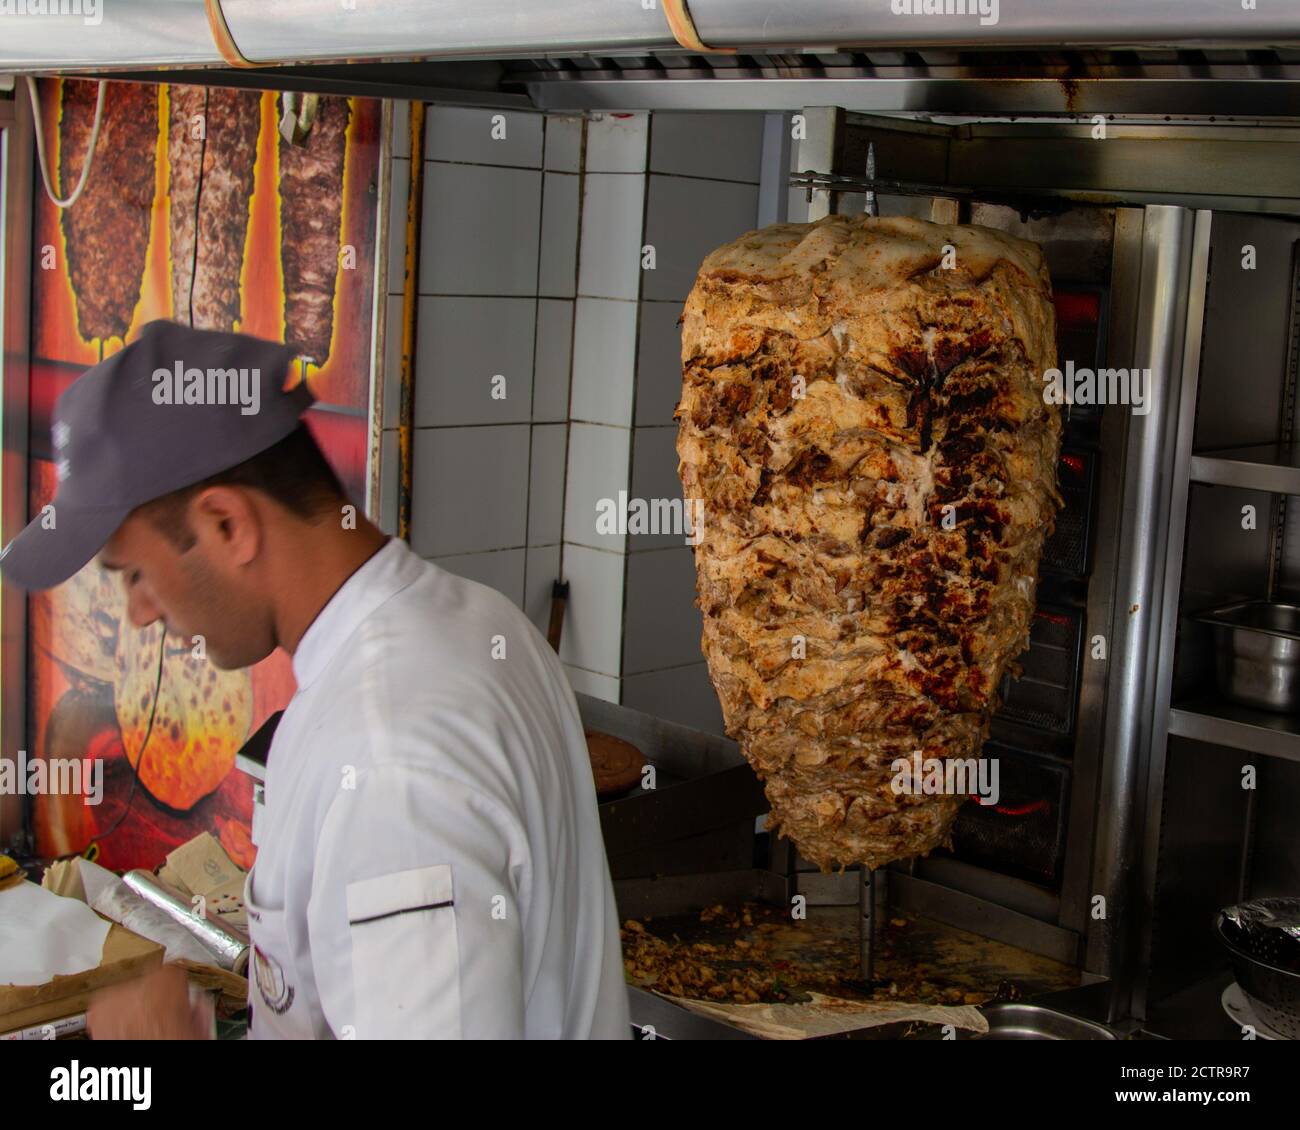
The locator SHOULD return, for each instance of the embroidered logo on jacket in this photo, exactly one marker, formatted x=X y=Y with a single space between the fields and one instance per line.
x=270 y=983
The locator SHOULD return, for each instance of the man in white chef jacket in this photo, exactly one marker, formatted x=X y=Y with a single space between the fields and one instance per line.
x=429 y=859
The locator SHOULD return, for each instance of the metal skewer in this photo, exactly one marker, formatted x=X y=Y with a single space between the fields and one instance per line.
x=867 y=924
x=869 y=206
x=867 y=889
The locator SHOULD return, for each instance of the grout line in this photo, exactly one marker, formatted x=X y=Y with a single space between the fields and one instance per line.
x=671 y=667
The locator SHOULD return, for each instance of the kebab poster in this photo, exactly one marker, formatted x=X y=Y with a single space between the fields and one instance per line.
x=197 y=207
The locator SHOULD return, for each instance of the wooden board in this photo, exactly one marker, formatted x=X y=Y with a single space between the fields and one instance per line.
x=125 y=955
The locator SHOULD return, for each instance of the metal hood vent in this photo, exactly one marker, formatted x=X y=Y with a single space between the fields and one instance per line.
x=105 y=35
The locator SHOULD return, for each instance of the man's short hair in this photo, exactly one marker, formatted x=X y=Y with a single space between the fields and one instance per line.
x=292 y=472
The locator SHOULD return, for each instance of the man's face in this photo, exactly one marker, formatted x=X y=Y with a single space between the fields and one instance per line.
x=190 y=592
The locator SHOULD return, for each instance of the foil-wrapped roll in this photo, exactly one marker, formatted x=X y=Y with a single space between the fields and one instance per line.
x=227 y=944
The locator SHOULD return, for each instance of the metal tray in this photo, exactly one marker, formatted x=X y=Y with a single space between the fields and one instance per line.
x=1009 y=1020
x=1257 y=644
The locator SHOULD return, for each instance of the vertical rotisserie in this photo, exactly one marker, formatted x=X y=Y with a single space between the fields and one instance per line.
x=863 y=416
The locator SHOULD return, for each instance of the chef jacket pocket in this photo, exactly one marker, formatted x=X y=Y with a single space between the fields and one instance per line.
x=405 y=955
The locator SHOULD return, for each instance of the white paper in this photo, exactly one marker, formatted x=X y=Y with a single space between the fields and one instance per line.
x=44 y=935
x=95 y=879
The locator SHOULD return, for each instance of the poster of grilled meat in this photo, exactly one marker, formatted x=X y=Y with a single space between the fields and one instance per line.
x=311 y=216
x=211 y=145
x=107 y=229
x=193 y=214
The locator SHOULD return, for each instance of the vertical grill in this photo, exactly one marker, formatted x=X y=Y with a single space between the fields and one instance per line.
x=1044 y=695
x=1067 y=550
x=1024 y=834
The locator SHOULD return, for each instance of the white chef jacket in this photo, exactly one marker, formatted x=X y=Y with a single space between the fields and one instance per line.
x=430 y=861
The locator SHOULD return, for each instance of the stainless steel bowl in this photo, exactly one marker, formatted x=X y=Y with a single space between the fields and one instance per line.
x=1258 y=651
x=1012 y=1020
x=1273 y=992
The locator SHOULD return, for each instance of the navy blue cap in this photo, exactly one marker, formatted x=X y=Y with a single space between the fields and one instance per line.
x=170 y=409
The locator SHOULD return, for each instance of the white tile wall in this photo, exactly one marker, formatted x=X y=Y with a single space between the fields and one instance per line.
x=557 y=268
x=604 y=361
x=400 y=187
x=598 y=469
x=401 y=128
x=465 y=133
x=389 y=478
x=654 y=476
x=562 y=151
x=592 y=636
x=479 y=231
x=680 y=694
x=552 y=355
x=663 y=626
x=658 y=363
x=617 y=143
x=591 y=683
x=546 y=484
x=392 y=360
x=498 y=268
x=542 y=571
x=725 y=146
x=611 y=236
x=502 y=570
x=469 y=489
x=685 y=220
x=462 y=344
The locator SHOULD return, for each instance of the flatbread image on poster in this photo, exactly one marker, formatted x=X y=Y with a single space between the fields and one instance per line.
x=107 y=229
x=202 y=718
x=85 y=612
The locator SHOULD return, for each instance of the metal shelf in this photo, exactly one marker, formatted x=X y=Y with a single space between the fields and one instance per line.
x=1224 y=723
x=1264 y=466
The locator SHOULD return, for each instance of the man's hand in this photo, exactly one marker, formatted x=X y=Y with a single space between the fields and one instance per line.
x=156 y=1007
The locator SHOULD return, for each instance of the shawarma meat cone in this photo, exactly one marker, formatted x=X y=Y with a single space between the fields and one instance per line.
x=863 y=416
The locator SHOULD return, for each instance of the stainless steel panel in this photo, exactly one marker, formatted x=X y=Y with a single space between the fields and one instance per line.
x=1078 y=886
x=1015 y=894
x=109 y=34
x=1262 y=95
x=840 y=23
x=369 y=29
x=379 y=316
x=818 y=152
x=908 y=893
x=1193 y=866
x=1133 y=947
x=1246 y=310
x=1236 y=727
x=654 y=1018
x=773 y=195
x=659 y=897
x=1263 y=467
x=1174 y=254
x=1276 y=863
x=679 y=749
x=119 y=32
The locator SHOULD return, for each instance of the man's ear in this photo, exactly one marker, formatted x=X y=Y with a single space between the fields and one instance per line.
x=228 y=520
